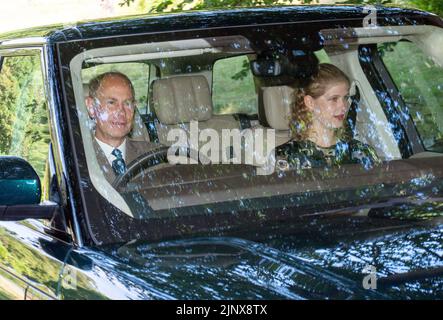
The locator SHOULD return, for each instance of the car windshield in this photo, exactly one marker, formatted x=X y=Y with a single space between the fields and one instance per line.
x=204 y=133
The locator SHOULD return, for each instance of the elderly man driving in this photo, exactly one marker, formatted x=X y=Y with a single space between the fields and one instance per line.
x=111 y=105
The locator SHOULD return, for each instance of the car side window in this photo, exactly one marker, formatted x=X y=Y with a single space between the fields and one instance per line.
x=24 y=127
x=420 y=81
x=233 y=88
x=322 y=56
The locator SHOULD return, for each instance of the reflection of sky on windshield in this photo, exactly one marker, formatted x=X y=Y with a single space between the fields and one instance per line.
x=116 y=281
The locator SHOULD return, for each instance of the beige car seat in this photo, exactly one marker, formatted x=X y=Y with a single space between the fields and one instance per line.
x=277 y=103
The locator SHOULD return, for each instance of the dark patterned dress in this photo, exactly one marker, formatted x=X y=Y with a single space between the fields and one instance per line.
x=306 y=154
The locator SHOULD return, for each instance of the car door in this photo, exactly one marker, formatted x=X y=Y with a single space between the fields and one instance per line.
x=31 y=265
x=31 y=251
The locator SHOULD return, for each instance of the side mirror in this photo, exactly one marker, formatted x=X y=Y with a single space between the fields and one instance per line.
x=21 y=191
x=19 y=182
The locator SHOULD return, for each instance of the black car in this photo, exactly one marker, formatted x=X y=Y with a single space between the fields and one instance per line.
x=207 y=229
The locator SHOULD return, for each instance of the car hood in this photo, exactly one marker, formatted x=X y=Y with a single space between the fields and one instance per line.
x=406 y=264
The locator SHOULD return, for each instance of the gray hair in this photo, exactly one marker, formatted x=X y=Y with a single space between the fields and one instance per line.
x=96 y=82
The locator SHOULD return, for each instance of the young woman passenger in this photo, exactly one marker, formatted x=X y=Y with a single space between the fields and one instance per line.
x=318 y=124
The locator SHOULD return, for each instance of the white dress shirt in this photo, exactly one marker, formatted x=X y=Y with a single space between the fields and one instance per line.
x=107 y=149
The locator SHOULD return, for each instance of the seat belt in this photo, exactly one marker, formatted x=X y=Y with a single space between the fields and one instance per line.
x=150 y=120
x=244 y=120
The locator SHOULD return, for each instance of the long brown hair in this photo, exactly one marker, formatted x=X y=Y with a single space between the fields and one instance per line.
x=314 y=86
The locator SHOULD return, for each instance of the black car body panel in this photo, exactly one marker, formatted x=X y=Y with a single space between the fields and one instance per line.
x=157 y=23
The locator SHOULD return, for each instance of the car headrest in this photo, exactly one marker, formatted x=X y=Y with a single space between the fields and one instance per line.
x=182 y=99
x=277 y=103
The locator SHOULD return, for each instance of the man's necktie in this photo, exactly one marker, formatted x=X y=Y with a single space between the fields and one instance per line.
x=118 y=164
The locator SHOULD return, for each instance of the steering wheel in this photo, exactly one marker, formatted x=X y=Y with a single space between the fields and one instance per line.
x=145 y=161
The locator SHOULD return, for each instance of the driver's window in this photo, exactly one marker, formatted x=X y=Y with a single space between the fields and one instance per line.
x=24 y=124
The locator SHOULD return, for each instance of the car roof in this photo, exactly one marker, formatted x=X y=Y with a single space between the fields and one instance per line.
x=139 y=24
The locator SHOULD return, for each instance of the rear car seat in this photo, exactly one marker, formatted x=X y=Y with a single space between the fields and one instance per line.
x=277 y=103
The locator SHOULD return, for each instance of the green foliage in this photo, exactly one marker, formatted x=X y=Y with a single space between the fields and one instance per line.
x=31 y=264
x=243 y=72
x=27 y=262
x=24 y=129
x=369 y=2
x=8 y=86
x=435 y=6
x=233 y=86
x=156 y=6
x=3 y=252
